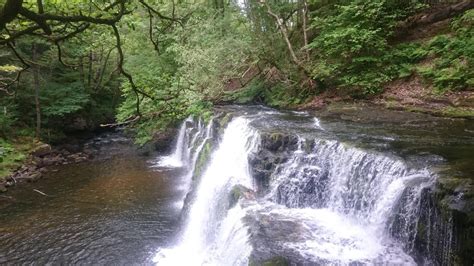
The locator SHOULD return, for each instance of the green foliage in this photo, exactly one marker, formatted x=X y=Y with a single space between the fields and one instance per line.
x=7 y=120
x=86 y=91
x=189 y=70
x=352 y=49
x=60 y=99
x=251 y=93
x=187 y=66
x=275 y=95
x=9 y=68
x=12 y=155
x=452 y=67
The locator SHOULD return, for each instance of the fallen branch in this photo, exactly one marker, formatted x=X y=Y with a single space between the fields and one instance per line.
x=136 y=118
x=42 y=193
x=432 y=17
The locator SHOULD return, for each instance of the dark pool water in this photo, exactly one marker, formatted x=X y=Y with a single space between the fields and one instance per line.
x=113 y=210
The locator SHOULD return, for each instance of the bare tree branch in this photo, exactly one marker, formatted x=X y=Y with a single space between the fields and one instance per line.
x=150 y=32
x=160 y=15
x=9 y=11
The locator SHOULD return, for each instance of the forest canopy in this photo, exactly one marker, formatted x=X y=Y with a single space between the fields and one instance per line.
x=76 y=64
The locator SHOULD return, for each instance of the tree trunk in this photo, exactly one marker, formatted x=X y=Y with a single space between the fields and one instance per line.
x=305 y=28
x=284 y=32
x=89 y=76
x=36 y=84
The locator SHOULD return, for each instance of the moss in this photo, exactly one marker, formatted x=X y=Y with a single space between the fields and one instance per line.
x=458 y=112
x=202 y=159
x=275 y=136
x=235 y=195
x=226 y=119
x=453 y=112
x=421 y=232
x=391 y=104
x=14 y=153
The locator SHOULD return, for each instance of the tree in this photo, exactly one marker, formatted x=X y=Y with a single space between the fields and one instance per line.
x=60 y=21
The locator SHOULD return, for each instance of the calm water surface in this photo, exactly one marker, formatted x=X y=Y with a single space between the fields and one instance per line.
x=113 y=210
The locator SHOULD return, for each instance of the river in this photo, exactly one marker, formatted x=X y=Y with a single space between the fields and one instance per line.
x=252 y=185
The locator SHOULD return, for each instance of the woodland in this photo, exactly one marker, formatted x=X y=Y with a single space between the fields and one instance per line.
x=74 y=65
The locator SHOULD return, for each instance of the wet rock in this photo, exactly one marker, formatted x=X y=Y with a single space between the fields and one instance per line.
x=42 y=150
x=34 y=177
x=275 y=149
x=71 y=148
x=162 y=140
x=445 y=229
x=43 y=170
x=240 y=192
x=77 y=158
x=276 y=261
x=88 y=151
x=270 y=234
x=48 y=161
x=3 y=187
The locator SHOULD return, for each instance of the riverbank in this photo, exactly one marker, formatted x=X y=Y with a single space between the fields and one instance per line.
x=410 y=95
x=27 y=160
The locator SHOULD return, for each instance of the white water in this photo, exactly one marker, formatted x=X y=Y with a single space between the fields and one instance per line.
x=317 y=123
x=207 y=230
x=344 y=196
x=192 y=137
x=176 y=159
x=353 y=194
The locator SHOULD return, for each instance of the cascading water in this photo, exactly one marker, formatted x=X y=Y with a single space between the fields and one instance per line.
x=193 y=135
x=209 y=222
x=176 y=159
x=346 y=196
x=326 y=202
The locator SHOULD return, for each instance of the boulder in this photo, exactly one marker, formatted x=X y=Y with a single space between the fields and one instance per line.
x=163 y=140
x=53 y=160
x=240 y=192
x=34 y=177
x=42 y=150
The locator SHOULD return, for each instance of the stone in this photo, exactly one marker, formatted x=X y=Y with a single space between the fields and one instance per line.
x=240 y=192
x=42 y=150
x=3 y=187
x=34 y=177
x=48 y=161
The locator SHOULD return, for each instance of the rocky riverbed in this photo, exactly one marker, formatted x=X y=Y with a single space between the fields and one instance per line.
x=45 y=157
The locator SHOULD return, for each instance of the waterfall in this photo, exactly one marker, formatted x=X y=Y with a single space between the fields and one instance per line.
x=175 y=159
x=327 y=202
x=209 y=220
x=348 y=196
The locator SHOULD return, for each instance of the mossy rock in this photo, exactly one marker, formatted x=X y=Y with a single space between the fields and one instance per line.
x=238 y=192
x=202 y=159
x=276 y=261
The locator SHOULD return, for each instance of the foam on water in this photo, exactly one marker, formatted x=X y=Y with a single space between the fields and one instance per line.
x=210 y=226
x=345 y=197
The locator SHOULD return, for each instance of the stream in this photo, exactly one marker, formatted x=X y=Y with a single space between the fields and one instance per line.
x=251 y=185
